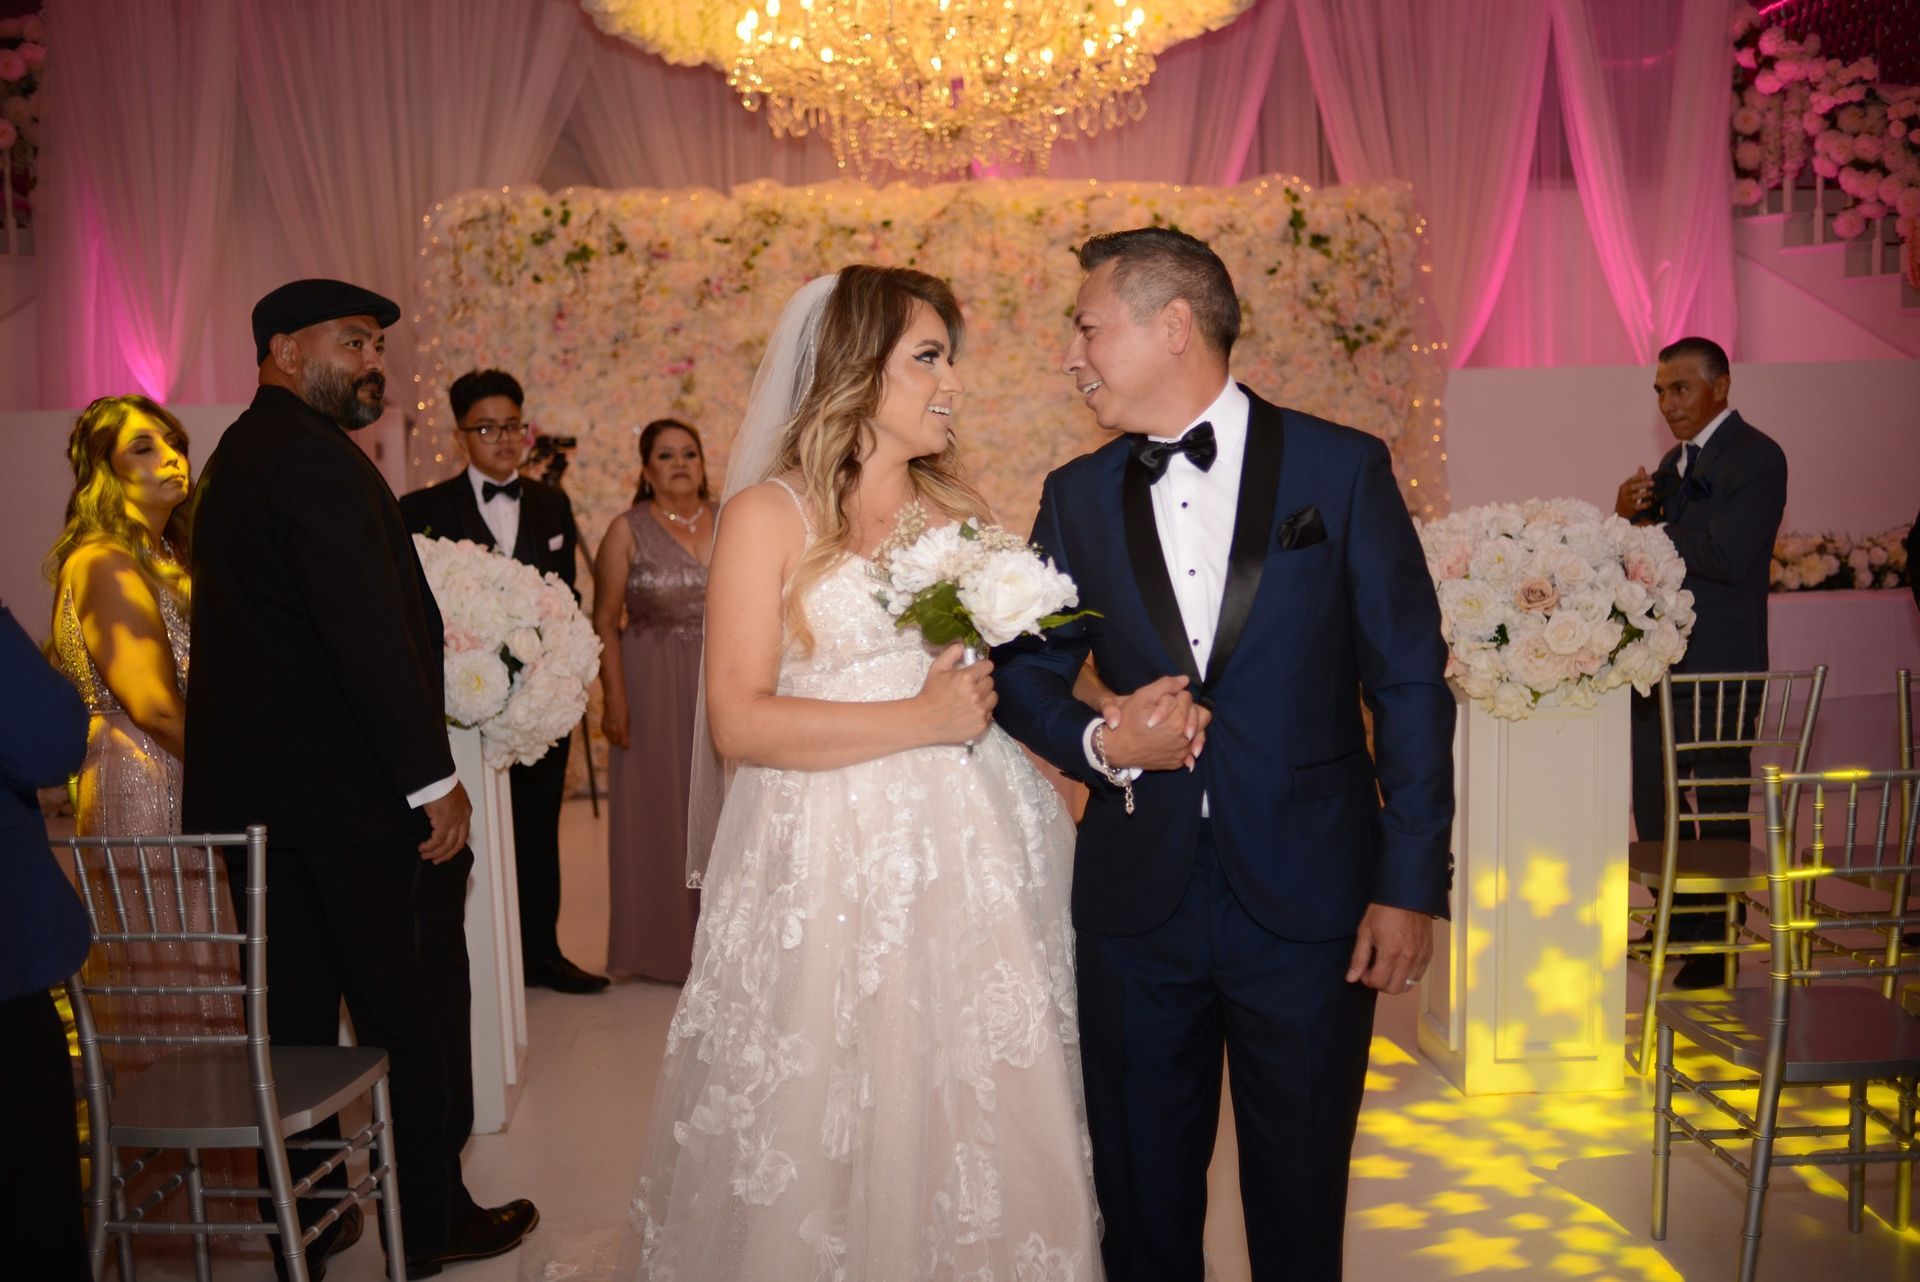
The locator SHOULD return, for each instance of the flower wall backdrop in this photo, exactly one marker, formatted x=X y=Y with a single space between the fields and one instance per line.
x=616 y=307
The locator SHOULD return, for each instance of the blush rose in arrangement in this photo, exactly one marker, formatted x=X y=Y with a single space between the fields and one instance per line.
x=1555 y=600
x=520 y=655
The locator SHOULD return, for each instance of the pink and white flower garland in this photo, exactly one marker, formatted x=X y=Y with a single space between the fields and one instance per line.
x=1554 y=600
x=520 y=654
x=1793 y=108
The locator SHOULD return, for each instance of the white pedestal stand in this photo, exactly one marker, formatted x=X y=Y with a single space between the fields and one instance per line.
x=493 y=940
x=1527 y=990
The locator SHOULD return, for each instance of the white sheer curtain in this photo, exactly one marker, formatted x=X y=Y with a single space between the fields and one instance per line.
x=139 y=163
x=641 y=122
x=1644 y=91
x=363 y=112
x=1448 y=98
x=1204 y=109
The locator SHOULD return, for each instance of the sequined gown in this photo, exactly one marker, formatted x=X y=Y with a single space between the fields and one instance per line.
x=130 y=786
x=651 y=912
x=873 y=1073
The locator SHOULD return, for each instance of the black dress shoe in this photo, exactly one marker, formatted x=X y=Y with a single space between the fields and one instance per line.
x=335 y=1238
x=492 y=1231
x=1702 y=971
x=562 y=976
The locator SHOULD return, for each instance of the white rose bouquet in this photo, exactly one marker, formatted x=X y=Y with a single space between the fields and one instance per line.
x=520 y=654
x=1827 y=562
x=1554 y=599
x=976 y=584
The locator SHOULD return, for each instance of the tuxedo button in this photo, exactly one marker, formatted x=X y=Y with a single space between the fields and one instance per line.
x=1190 y=573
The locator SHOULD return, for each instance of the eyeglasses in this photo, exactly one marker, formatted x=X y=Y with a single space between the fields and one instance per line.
x=487 y=431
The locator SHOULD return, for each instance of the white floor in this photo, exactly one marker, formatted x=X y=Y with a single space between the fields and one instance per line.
x=1539 y=1186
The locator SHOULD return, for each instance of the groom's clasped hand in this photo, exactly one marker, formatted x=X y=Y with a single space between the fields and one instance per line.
x=1160 y=726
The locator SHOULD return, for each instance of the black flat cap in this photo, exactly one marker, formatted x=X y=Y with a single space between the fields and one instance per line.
x=300 y=303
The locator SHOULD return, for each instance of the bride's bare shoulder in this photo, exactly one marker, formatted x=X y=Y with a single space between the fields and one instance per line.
x=763 y=511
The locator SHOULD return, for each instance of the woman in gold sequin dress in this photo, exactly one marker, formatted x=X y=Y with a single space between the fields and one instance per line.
x=652 y=570
x=120 y=572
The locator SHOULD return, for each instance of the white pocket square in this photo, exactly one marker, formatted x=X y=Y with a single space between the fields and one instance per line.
x=553 y=544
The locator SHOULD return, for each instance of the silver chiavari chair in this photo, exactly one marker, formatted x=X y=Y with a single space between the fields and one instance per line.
x=1815 y=1024
x=1704 y=715
x=203 y=1089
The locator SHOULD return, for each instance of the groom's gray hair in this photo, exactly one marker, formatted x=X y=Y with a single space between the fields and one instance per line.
x=1155 y=265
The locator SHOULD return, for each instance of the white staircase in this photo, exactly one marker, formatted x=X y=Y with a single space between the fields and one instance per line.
x=1864 y=279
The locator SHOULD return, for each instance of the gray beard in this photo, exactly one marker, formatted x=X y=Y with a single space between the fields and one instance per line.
x=336 y=396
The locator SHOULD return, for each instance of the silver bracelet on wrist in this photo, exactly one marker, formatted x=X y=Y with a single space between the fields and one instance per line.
x=1119 y=780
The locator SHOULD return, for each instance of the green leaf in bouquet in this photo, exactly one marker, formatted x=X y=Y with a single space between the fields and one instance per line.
x=942 y=620
x=1051 y=621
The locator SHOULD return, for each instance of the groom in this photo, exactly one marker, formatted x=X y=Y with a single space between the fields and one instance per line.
x=1254 y=903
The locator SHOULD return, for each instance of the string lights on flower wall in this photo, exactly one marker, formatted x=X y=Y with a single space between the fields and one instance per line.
x=928 y=87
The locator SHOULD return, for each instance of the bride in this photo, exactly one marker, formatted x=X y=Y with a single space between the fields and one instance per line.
x=873 y=1070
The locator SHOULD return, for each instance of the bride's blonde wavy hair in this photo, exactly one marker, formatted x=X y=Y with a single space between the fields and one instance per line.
x=864 y=319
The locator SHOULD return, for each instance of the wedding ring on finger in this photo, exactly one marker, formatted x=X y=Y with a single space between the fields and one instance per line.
x=1410 y=982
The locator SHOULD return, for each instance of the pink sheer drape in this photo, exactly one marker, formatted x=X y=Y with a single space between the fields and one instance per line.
x=1204 y=109
x=139 y=162
x=199 y=153
x=1446 y=97
x=364 y=112
x=641 y=122
x=1644 y=91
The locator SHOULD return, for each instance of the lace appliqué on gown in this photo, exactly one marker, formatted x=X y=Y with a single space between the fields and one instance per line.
x=873 y=1070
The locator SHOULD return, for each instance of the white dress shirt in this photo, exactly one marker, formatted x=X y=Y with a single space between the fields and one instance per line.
x=1193 y=512
x=1700 y=439
x=501 y=513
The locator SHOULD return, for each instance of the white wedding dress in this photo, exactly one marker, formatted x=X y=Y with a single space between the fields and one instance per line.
x=873 y=1072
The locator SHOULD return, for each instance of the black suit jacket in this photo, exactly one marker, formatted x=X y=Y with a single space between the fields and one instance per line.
x=547 y=537
x=317 y=701
x=1723 y=519
x=43 y=739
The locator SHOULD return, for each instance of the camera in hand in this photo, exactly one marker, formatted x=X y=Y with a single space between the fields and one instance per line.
x=547 y=460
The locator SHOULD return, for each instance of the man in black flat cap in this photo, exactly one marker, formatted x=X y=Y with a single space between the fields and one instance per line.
x=317 y=707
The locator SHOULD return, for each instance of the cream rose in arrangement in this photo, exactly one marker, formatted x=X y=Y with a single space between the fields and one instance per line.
x=1553 y=600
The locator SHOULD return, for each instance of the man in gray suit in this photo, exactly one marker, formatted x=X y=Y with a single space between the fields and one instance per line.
x=1719 y=494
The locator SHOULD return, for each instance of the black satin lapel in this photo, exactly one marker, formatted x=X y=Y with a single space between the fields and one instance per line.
x=1150 y=568
x=526 y=541
x=1252 y=528
x=474 y=525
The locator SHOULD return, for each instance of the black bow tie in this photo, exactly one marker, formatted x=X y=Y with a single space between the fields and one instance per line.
x=1198 y=445
x=511 y=489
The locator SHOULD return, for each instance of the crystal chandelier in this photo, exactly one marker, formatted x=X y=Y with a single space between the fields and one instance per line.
x=929 y=85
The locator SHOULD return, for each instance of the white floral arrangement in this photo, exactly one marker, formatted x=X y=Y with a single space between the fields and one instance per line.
x=1554 y=600
x=520 y=654
x=976 y=584
x=1836 y=562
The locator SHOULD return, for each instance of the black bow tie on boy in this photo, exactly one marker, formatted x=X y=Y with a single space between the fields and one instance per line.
x=511 y=489
x=1198 y=445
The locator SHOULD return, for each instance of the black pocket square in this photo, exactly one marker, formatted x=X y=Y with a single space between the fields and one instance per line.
x=1302 y=530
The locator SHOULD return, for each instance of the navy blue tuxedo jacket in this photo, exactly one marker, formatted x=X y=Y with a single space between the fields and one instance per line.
x=1723 y=519
x=43 y=738
x=1307 y=629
